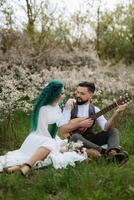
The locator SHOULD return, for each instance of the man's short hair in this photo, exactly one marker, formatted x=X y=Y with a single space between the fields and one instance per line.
x=90 y=86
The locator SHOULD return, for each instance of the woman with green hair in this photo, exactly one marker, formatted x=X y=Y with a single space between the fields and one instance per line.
x=41 y=141
x=42 y=145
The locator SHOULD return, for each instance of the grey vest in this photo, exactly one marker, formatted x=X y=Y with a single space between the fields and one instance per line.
x=91 y=111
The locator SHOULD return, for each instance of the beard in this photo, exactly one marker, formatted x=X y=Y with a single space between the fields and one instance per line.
x=81 y=102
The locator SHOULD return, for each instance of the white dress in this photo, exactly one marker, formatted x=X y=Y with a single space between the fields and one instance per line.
x=42 y=138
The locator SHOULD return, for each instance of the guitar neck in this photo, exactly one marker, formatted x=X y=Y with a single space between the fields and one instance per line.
x=103 y=111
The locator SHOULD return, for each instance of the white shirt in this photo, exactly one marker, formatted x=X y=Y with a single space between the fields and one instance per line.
x=83 y=111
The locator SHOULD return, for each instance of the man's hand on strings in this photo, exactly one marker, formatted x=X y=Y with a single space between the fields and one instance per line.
x=121 y=108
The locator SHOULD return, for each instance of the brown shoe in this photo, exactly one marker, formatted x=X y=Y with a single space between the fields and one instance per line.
x=24 y=169
x=93 y=153
x=112 y=152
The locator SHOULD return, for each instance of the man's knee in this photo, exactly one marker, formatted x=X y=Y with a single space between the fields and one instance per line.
x=114 y=131
x=75 y=137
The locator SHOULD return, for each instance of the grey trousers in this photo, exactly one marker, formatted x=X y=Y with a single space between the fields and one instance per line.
x=95 y=141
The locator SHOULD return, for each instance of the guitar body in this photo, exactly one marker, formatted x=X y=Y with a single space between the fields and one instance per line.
x=79 y=130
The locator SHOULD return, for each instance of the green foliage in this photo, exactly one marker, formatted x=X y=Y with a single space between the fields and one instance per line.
x=116 y=34
x=47 y=29
x=13 y=130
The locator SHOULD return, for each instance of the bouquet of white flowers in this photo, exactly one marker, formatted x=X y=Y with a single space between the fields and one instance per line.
x=71 y=146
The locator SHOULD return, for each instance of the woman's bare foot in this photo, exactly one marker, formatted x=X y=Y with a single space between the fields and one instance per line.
x=11 y=169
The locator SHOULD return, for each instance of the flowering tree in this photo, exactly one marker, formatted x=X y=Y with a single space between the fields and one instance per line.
x=19 y=86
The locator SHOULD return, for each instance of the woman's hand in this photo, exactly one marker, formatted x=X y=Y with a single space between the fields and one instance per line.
x=70 y=103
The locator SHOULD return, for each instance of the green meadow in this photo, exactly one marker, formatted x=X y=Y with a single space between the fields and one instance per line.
x=89 y=180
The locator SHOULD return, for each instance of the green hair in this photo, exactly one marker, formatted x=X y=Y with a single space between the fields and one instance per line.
x=48 y=95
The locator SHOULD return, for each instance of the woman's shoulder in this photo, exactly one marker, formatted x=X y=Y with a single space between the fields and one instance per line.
x=49 y=107
x=43 y=112
x=43 y=109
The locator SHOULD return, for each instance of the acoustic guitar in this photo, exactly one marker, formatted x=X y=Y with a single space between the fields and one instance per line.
x=122 y=100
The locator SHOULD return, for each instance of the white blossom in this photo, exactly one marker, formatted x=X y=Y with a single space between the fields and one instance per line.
x=19 y=87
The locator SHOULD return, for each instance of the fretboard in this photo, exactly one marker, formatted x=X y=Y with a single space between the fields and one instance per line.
x=103 y=111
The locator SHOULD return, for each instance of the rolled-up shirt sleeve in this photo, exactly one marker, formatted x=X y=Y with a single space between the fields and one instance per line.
x=101 y=121
x=65 y=118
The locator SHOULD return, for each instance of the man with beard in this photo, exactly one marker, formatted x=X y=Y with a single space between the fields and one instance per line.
x=79 y=124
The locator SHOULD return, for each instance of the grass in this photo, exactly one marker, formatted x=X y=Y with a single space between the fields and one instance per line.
x=93 y=180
